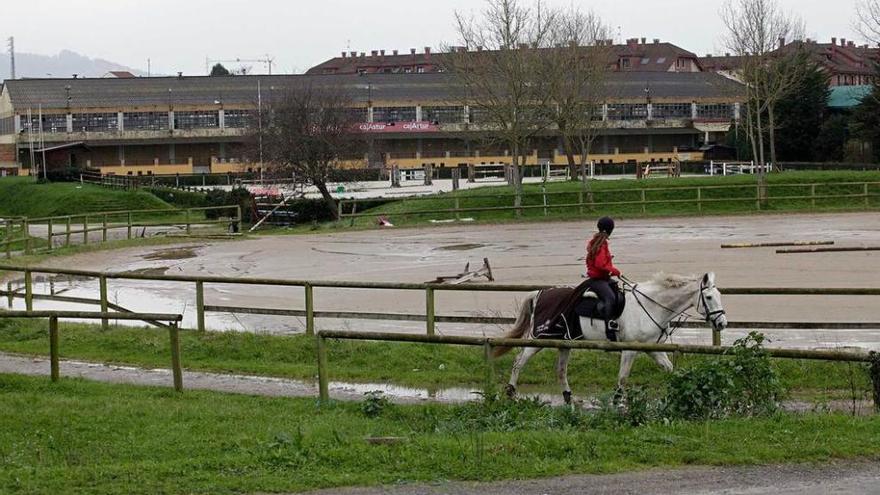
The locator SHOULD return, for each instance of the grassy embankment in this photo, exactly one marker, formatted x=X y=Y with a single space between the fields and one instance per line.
x=738 y=199
x=83 y=437
x=367 y=362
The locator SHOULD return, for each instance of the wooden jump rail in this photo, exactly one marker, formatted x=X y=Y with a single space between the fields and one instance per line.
x=104 y=222
x=488 y=344
x=430 y=316
x=776 y=244
x=54 y=316
x=828 y=250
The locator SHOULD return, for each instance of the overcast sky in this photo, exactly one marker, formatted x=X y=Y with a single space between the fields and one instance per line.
x=179 y=34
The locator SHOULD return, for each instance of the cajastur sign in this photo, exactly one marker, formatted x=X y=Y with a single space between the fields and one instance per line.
x=398 y=127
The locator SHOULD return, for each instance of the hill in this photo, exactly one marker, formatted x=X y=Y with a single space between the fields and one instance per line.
x=23 y=197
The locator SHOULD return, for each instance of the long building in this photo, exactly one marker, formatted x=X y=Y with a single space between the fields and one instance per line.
x=182 y=125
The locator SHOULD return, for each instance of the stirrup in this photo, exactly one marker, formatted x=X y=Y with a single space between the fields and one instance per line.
x=611 y=330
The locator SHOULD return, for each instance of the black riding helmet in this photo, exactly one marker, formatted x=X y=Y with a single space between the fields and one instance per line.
x=606 y=224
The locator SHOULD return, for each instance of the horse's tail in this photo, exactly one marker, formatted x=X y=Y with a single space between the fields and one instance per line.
x=521 y=327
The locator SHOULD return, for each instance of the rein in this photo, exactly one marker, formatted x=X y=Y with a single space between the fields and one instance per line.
x=681 y=316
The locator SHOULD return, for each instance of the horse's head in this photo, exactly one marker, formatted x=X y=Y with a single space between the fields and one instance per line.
x=709 y=303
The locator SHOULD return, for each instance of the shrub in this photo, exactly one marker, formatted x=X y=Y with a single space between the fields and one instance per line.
x=743 y=383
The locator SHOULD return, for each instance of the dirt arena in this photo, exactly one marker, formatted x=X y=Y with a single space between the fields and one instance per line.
x=519 y=253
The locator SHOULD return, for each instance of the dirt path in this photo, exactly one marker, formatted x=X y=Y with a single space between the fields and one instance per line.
x=856 y=477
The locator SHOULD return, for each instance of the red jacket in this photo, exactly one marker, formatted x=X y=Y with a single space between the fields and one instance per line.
x=600 y=266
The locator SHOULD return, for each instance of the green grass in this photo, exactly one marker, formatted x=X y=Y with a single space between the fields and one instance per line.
x=738 y=199
x=21 y=196
x=418 y=365
x=91 y=438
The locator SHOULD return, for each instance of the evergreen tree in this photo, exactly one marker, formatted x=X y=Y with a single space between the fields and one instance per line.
x=866 y=119
x=800 y=116
x=219 y=70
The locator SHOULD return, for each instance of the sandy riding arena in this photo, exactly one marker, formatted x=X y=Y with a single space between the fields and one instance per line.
x=519 y=254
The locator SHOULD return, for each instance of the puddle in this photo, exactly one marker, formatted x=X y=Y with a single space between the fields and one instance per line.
x=156 y=270
x=183 y=253
x=461 y=247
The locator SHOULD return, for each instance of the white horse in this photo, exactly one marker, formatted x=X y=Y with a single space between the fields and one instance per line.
x=651 y=308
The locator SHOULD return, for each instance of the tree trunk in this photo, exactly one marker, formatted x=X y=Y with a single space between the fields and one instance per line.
x=772 y=131
x=762 y=179
x=568 y=148
x=328 y=199
x=517 y=172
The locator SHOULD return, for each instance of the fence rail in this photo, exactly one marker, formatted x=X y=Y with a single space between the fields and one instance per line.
x=54 y=345
x=488 y=344
x=430 y=315
x=18 y=232
x=760 y=196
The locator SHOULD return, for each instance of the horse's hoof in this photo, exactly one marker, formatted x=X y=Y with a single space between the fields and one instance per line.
x=510 y=391
x=567 y=397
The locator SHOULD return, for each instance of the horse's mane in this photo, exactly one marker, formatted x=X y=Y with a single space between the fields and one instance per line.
x=672 y=281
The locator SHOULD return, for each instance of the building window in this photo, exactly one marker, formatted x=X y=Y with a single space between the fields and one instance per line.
x=478 y=115
x=196 y=120
x=394 y=114
x=443 y=115
x=624 y=63
x=51 y=123
x=236 y=119
x=627 y=111
x=145 y=121
x=7 y=126
x=421 y=70
x=358 y=114
x=95 y=122
x=722 y=111
x=672 y=110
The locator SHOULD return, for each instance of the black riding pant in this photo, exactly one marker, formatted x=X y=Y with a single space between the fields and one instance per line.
x=607 y=291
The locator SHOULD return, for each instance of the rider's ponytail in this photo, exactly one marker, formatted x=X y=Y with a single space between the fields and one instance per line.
x=599 y=239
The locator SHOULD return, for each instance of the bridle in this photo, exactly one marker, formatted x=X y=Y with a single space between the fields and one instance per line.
x=680 y=317
x=712 y=316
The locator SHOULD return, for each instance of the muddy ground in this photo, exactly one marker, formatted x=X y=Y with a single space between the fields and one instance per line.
x=520 y=253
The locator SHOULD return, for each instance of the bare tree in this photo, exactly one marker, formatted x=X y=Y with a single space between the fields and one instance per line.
x=576 y=71
x=868 y=19
x=757 y=31
x=308 y=131
x=498 y=63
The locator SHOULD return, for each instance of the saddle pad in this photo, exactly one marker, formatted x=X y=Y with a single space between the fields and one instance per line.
x=554 y=316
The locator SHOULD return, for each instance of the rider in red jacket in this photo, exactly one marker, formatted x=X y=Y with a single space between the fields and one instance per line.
x=600 y=269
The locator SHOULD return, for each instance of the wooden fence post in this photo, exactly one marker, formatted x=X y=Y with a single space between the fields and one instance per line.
x=644 y=206
x=489 y=386
x=875 y=378
x=129 y=225
x=86 y=229
x=67 y=233
x=867 y=198
x=457 y=207
x=700 y=200
x=187 y=219
x=104 y=228
x=26 y=228
x=8 y=240
x=813 y=195
x=544 y=195
x=716 y=338
x=323 y=381
x=310 y=309
x=429 y=310
x=238 y=216
x=174 y=334
x=200 y=306
x=10 y=297
x=28 y=290
x=53 y=349
x=49 y=235
x=581 y=202
x=102 y=286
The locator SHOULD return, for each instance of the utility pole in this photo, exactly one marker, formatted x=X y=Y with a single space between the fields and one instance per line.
x=12 y=57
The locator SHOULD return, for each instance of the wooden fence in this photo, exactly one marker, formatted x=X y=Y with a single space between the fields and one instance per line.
x=701 y=197
x=54 y=345
x=429 y=316
x=488 y=344
x=18 y=230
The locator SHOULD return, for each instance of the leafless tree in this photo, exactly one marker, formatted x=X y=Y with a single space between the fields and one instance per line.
x=576 y=71
x=756 y=29
x=308 y=131
x=868 y=19
x=497 y=60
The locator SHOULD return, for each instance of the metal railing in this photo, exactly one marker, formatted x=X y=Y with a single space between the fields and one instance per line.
x=68 y=226
x=429 y=316
x=489 y=344
x=54 y=345
x=754 y=196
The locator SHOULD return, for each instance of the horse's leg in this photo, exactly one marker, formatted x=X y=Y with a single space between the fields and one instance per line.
x=662 y=359
x=562 y=373
x=626 y=362
x=518 y=366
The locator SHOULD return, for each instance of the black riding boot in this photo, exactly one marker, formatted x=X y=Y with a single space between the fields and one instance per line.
x=611 y=329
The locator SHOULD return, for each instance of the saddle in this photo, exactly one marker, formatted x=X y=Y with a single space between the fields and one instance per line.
x=590 y=306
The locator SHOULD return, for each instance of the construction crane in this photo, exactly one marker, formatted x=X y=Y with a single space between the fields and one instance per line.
x=268 y=62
